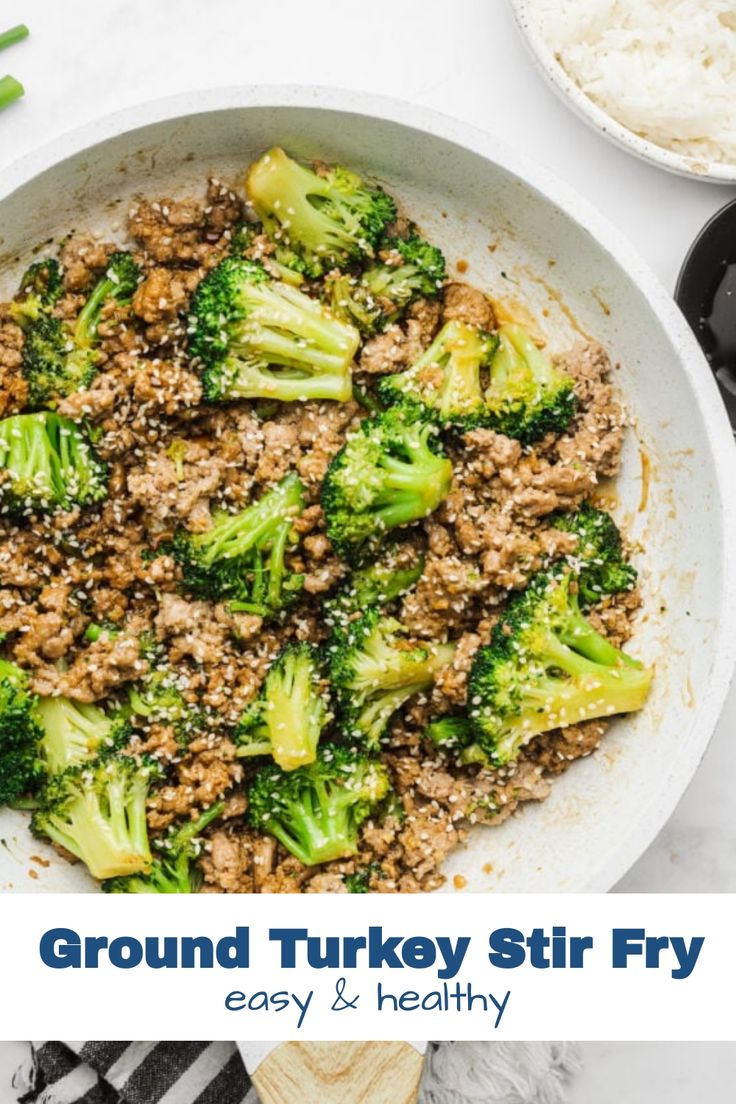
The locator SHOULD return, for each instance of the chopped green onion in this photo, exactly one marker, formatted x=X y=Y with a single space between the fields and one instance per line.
x=15 y=34
x=10 y=90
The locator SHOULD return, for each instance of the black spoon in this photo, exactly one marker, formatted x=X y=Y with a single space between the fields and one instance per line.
x=706 y=295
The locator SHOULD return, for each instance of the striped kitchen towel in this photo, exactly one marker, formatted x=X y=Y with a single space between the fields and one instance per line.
x=134 y=1073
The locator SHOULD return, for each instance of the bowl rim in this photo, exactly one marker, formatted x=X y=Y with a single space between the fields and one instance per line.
x=697 y=242
x=638 y=836
x=714 y=172
x=688 y=285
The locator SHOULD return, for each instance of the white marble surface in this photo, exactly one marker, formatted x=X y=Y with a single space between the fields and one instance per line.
x=632 y=1073
x=85 y=58
x=655 y=1073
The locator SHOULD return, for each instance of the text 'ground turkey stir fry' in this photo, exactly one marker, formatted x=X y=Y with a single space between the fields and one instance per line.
x=301 y=572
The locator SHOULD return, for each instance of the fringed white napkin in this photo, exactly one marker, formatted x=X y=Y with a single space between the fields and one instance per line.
x=498 y=1073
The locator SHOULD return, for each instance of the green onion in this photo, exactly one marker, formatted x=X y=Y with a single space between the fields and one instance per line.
x=10 y=90
x=15 y=34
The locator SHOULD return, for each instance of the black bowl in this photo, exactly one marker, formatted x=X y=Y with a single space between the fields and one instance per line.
x=706 y=295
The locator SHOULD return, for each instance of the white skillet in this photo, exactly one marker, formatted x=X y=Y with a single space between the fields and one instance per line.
x=528 y=238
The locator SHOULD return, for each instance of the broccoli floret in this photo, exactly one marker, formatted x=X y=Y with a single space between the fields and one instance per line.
x=279 y=260
x=157 y=699
x=117 y=285
x=261 y=338
x=389 y=473
x=76 y=732
x=97 y=811
x=51 y=367
x=59 y=359
x=40 y=289
x=451 y=732
x=172 y=869
x=241 y=557
x=372 y=300
x=546 y=667
x=40 y=737
x=316 y=811
x=328 y=218
x=375 y=668
x=598 y=560
x=20 y=733
x=287 y=718
x=456 y=734
x=360 y=881
x=446 y=380
x=527 y=396
x=377 y=584
x=47 y=464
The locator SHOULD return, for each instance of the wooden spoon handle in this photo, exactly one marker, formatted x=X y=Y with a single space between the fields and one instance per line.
x=340 y=1073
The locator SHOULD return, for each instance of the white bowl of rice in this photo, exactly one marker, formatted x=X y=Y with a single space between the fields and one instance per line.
x=657 y=77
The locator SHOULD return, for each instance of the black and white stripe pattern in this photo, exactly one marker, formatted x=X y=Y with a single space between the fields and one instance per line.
x=135 y=1073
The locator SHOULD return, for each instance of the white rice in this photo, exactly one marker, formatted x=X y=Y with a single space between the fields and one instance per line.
x=665 y=69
